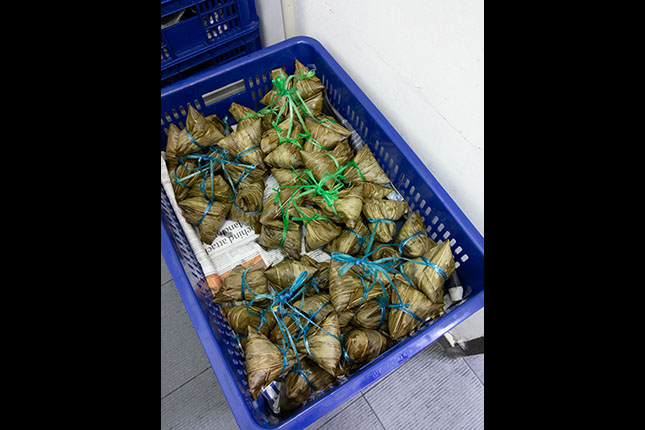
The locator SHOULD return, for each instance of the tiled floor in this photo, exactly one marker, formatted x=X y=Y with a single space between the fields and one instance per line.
x=429 y=391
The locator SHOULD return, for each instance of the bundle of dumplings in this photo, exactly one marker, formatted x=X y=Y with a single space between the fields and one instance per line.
x=305 y=322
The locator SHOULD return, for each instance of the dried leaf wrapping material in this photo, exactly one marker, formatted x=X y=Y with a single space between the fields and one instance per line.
x=202 y=131
x=314 y=104
x=355 y=190
x=252 y=175
x=268 y=120
x=271 y=140
x=243 y=115
x=374 y=191
x=283 y=274
x=379 y=251
x=318 y=231
x=360 y=296
x=319 y=282
x=345 y=317
x=249 y=199
x=309 y=86
x=420 y=243
x=296 y=390
x=178 y=177
x=193 y=209
x=347 y=290
x=272 y=95
x=315 y=307
x=231 y=291
x=217 y=122
x=322 y=275
x=343 y=153
x=271 y=235
x=171 y=146
x=285 y=203
x=401 y=323
x=284 y=156
x=324 y=348
x=264 y=361
x=369 y=168
x=244 y=143
x=286 y=177
x=348 y=208
x=364 y=345
x=327 y=133
x=429 y=279
x=320 y=165
x=272 y=210
x=290 y=195
x=384 y=209
x=219 y=189
x=239 y=318
x=370 y=314
x=306 y=259
x=348 y=242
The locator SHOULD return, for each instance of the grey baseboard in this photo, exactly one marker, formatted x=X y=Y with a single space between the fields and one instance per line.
x=462 y=349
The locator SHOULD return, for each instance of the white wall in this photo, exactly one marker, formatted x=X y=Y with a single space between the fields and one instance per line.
x=271 y=26
x=421 y=62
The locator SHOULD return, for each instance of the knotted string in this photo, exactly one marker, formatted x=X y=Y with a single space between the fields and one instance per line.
x=307 y=220
x=359 y=238
x=281 y=308
x=294 y=103
x=404 y=242
x=383 y=266
x=218 y=155
x=193 y=140
x=311 y=185
x=381 y=299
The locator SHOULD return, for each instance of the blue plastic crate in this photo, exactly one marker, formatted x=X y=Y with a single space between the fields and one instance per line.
x=244 y=43
x=245 y=81
x=202 y=24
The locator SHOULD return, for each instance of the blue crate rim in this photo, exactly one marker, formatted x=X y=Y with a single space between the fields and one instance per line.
x=380 y=368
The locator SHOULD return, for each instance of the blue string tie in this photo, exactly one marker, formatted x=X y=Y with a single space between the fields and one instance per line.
x=193 y=140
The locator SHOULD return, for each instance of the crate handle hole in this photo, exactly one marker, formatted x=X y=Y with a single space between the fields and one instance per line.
x=223 y=92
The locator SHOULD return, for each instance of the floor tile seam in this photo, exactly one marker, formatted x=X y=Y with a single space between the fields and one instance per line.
x=472 y=370
x=338 y=411
x=373 y=411
x=184 y=383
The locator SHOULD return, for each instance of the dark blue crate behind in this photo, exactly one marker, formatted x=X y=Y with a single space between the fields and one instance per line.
x=205 y=23
x=244 y=81
x=244 y=43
